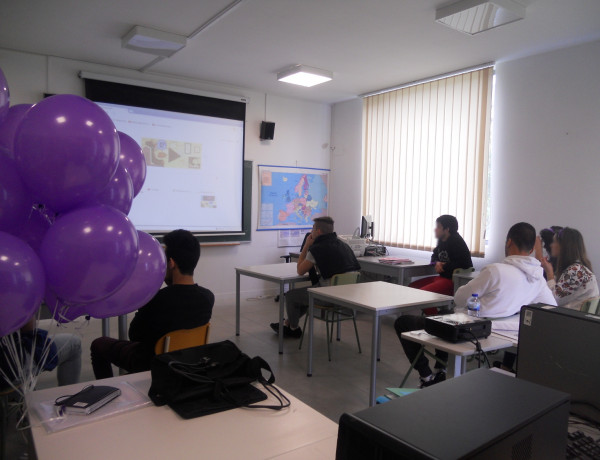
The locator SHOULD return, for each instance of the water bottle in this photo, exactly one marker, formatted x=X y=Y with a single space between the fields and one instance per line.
x=474 y=306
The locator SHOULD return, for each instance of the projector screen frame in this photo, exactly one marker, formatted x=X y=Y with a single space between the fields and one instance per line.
x=126 y=94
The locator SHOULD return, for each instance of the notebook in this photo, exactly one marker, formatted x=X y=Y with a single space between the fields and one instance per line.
x=395 y=261
x=88 y=400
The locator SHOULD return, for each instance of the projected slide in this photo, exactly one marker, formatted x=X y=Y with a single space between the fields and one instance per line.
x=195 y=168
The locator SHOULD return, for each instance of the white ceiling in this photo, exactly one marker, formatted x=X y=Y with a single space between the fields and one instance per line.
x=367 y=44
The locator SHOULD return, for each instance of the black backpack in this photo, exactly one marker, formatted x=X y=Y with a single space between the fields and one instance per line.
x=211 y=378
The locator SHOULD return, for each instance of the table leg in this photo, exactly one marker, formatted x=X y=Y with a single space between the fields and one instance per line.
x=281 y=308
x=122 y=327
x=374 y=354
x=106 y=327
x=455 y=365
x=237 y=303
x=379 y=342
x=310 y=313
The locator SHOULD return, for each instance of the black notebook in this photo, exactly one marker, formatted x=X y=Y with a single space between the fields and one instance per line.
x=88 y=400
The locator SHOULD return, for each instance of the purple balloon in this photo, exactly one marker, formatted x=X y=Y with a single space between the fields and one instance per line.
x=133 y=159
x=67 y=150
x=60 y=311
x=89 y=253
x=34 y=229
x=22 y=283
x=8 y=128
x=4 y=97
x=119 y=191
x=66 y=314
x=15 y=201
x=145 y=282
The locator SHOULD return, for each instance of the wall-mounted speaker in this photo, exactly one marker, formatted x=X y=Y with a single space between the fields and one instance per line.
x=267 y=130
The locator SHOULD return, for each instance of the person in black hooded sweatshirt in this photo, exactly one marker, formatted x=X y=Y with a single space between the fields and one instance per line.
x=450 y=253
x=324 y=251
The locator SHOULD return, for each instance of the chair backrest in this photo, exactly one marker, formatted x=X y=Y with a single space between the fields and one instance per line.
x=182 y=338
x=463 y=271
x=591 y=306
x=345 y=278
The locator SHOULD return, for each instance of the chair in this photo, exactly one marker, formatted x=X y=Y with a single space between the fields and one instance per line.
x=335 y=315
x=182 y=338
x=460 y=271
x=591 y=306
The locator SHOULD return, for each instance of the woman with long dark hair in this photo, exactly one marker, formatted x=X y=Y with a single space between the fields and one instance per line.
x=547 y=237
x=573 y=282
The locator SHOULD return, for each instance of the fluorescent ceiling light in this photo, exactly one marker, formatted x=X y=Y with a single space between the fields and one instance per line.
x=153 y=41
x=304 y=75
x=475 y=16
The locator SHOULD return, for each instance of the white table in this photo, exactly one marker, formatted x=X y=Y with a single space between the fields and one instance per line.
x=460 y=279
x=158 y=433
x=376 y=299
x=401 y=272
x=276 y=273
x=458 y=352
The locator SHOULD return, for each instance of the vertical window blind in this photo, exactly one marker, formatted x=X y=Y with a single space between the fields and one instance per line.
x=426 y=154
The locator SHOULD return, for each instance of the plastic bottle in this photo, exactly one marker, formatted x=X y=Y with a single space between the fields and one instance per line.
x=474 y=306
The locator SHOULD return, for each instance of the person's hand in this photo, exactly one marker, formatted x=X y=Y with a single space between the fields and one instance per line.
x=547 y=266
x=309 y=241
x=439 y=267
x=537 y=249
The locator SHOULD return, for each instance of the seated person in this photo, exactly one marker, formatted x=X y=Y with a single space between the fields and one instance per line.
x=571 y=280
x=64 y=354
x=450 y=253
x=547 y=237
x=504 y=287
x=330 y=256
x=181 y=305
x=518 y=280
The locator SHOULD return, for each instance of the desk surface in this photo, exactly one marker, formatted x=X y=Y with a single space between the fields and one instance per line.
x=418 y=262
x=466 y=276
x=158 y=433
x=491 y=343
x=276 y=272
x=378 y=296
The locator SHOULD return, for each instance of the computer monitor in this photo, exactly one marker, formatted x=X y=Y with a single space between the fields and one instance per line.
x=560 y=348
x=366 y=227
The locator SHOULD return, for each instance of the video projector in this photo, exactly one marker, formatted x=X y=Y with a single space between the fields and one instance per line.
x=458 y=327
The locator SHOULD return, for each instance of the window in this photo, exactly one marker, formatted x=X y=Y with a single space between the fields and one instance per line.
x=426 y=154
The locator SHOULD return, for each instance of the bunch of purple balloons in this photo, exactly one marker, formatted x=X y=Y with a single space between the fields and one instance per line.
x=67 y=182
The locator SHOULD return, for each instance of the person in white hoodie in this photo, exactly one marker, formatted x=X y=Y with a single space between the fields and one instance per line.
x=504 y=287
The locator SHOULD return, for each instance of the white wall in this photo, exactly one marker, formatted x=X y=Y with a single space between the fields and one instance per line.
x=302 y=135
x=545 y=156
x=345 y=189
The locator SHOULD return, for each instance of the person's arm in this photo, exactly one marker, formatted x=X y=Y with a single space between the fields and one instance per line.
x=538 y=250
x=479 y=286
x=434 y=255
x=460 y=257
x=568 y=283
x=304 y=266
x=141 y=322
